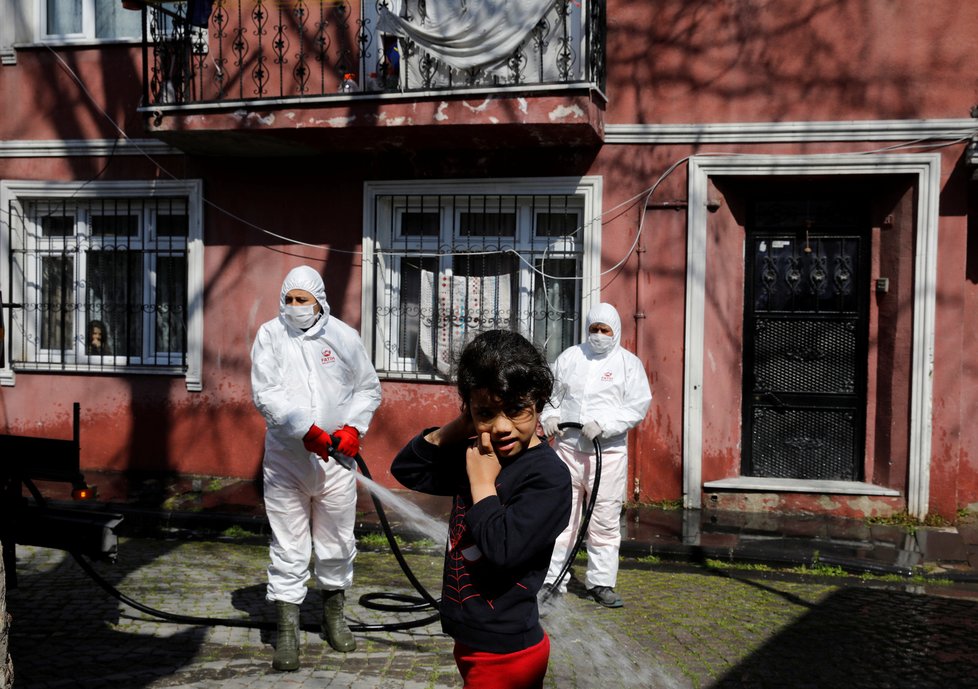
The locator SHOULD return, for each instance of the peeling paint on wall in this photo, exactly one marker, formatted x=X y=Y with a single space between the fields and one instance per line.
x=440 y=113
x=563 y=112
x=478 y=108
x=244 y=115
x=393 y=121
x=523 y=105
x=341 y=121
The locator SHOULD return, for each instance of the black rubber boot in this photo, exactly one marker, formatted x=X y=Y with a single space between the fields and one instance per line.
x=335 y=629
x=286 y=657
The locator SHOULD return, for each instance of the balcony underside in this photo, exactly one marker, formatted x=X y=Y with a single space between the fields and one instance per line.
x=292 y=128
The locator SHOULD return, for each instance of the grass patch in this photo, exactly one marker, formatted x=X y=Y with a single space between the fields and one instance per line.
x=237 y=532
x=901 y=519
x=822 y=569
x=911 y=523
x=378 y=540
x=741 y=566
x=669 y=505
x=935 y=520
x=815 y=569
x=649 y=560
x=918 y=578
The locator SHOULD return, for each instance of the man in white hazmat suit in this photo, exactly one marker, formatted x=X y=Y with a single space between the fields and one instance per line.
x=313 y=382
x=603 y=387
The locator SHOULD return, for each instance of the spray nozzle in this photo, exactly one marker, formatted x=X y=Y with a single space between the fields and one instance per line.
x=341 y=459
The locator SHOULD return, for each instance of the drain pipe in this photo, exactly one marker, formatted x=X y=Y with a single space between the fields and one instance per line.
x=639 y=349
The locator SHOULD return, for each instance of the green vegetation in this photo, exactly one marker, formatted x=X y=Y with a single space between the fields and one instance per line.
x=649 y=560
x=935 y=520
x=911 y=523
x=237 y=532
x=670 y=505
x=377 y=540
x=821 y=569
x=901 y=519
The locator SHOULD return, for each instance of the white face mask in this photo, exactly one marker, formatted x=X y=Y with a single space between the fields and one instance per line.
x=600 y=344
x=301 y=317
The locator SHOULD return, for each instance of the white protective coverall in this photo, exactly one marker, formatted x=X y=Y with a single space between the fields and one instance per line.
x=613 y=389
x=322 y=376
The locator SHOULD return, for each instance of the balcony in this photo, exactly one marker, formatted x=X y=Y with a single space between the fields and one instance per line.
x=328 y=73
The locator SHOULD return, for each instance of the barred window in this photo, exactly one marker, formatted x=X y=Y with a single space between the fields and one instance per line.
x=102 y=283
x=446 y=266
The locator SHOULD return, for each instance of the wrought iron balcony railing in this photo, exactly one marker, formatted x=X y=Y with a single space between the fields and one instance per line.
x=247 y=51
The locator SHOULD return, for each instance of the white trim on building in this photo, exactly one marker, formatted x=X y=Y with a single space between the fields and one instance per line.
x=926 y=167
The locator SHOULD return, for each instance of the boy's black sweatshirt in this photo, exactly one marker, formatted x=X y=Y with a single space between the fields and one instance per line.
x=499 y=549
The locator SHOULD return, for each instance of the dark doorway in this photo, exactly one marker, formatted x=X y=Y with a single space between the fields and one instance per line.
x=805 y=338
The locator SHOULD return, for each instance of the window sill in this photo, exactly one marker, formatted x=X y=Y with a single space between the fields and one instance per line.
x=77 y=43
x=790 y=485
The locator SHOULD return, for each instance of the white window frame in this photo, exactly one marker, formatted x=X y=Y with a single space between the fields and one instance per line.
x=19 y=192
x=587 y=189
x=87 y=33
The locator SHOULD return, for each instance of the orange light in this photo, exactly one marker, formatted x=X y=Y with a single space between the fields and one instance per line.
x=84 y=493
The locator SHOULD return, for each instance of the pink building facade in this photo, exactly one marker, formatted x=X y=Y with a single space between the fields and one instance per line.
x=777 y=195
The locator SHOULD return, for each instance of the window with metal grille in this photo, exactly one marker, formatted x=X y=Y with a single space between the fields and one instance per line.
x=102 y=283
x=443 y=265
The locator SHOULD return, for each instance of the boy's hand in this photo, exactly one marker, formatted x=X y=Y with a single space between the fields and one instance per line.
x=482 y=467
x=455 y=431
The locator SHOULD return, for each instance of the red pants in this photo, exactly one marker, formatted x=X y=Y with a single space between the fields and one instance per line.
x=520 y=670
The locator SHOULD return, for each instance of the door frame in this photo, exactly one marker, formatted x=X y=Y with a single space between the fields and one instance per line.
x=926 y=167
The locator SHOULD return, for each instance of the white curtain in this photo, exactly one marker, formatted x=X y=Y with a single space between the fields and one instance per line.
x=468 y=33
x=64 y=17
x=467 y=306
x=113 y=21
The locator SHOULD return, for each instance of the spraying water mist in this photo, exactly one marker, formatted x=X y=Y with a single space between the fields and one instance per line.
x=413 y=515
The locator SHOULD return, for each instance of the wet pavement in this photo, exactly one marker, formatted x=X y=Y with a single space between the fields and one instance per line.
x=691 y=618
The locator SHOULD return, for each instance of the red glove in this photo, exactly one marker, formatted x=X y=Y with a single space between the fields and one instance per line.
x=347 y=441
x=317 y=440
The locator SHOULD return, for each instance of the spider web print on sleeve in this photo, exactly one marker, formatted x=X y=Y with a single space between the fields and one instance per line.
x=458 y=583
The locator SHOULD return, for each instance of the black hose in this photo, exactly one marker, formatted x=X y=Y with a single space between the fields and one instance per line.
x=550 y=588
x=406 y=603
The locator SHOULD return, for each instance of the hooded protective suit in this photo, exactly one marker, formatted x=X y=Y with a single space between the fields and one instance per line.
x=597 y=381
x=319 y=376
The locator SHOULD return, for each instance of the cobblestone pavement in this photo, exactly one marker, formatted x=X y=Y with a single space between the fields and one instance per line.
x=683 y=626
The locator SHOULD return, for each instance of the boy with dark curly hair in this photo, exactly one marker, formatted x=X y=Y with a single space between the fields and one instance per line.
x=511 y=501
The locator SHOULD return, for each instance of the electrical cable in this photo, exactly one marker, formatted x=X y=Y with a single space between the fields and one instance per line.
x=962 y=135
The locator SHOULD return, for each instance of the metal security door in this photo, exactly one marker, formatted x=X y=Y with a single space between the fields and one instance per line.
x=805 y=341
